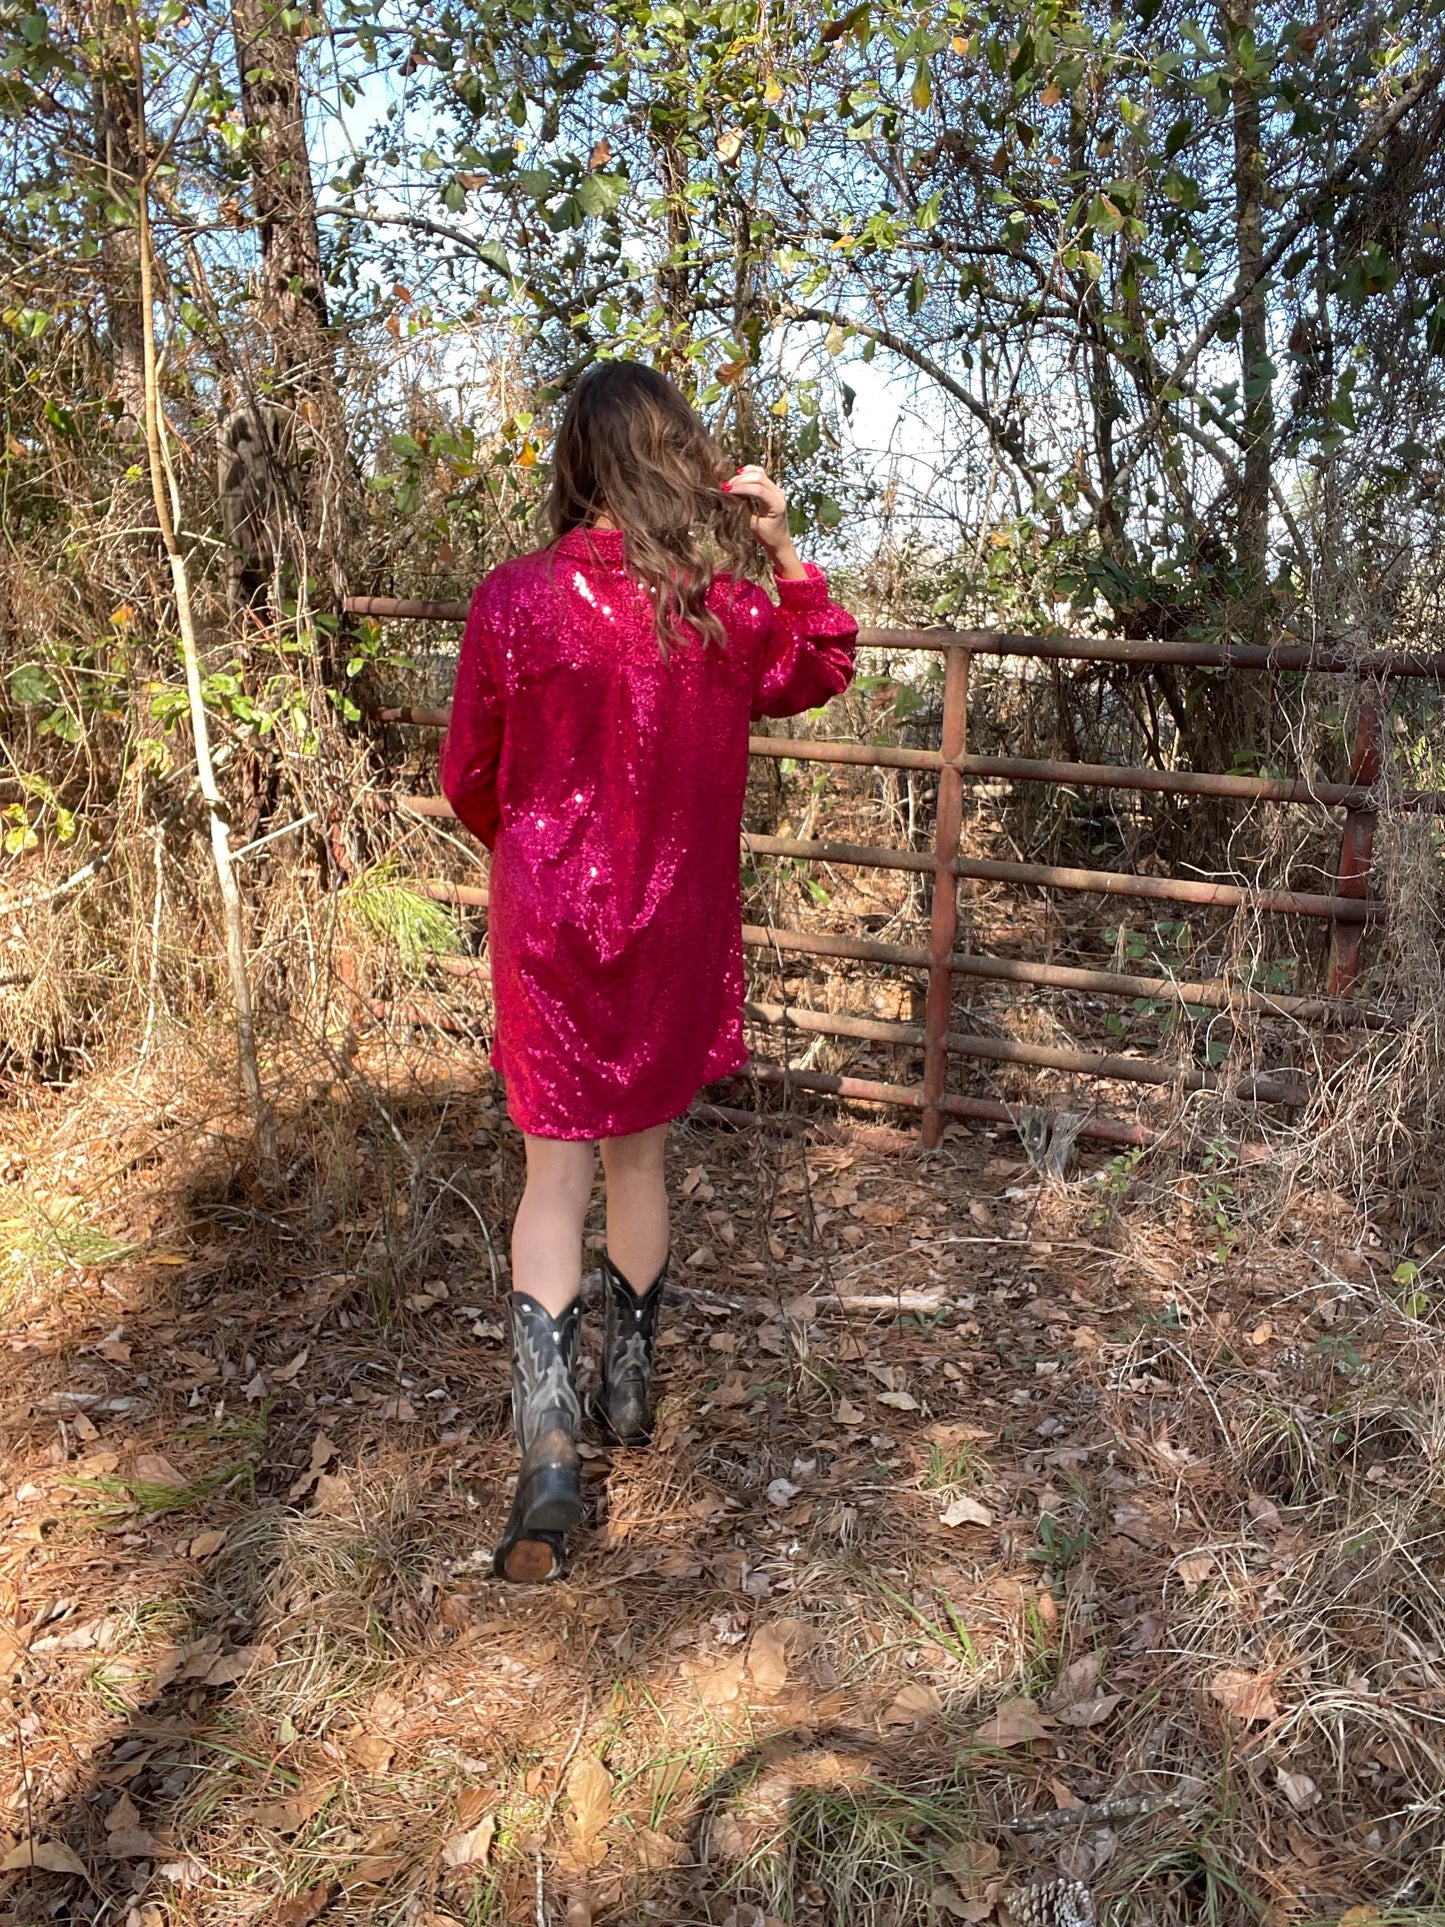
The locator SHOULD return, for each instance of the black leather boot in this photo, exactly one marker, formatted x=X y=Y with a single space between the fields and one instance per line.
x=546 y=1414
x=622 y=1403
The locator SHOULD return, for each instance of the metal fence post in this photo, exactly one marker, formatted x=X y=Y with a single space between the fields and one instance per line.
x=1357 y=843
x=943 y=919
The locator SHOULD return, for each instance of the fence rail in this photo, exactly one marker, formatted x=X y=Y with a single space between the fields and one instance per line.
x=1348 y=908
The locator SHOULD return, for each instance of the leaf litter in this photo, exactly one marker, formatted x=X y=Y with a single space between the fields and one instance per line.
x=892 y=1623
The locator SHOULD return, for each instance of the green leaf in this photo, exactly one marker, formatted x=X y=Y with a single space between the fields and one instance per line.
x=32 y=688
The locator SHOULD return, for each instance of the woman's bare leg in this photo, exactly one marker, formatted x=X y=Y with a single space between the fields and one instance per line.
x=547 y=1230
x=637 y=1226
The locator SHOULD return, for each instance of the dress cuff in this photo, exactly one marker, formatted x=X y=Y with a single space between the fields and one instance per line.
x=810 y=593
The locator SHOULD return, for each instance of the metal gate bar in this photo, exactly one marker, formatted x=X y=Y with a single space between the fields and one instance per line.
x=1348 y=910
x=1216 y=995
x=1291 y=657
x=1055 y=876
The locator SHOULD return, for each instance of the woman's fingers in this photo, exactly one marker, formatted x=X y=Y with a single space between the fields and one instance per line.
x=753 y=482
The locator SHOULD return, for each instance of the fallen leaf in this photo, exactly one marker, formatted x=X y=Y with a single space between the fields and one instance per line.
x=782 y=1492
x=1091 y=1712
x=848 y=1413
x=767 y=1662
x=1299 y=1789
x=206 y=1545
x=123 y=1816
x=470 y=1847
x=964 y=1511
x=589 y=1788
x=322 y=1453
x=472 y=1803
x=371 y=1752
x=230 y=1667
x=151 y=1468
x=657 y=1850
x=49 y=1856
x=948 y=1900
x=1081 y=1858
x=288 y=1816
x=900 y=1401
x=85 y=1429
x=1065 y=1798
x=256 y=1391
x=1194 y=1568
x=876 y=1212
x=720 y=1685
x=1246 y=1696
x=914 y=1703
x=400 y=1411
x=304 y=1908
x=1015 y=1723
x=726 y=1836
x=95 y=1465
x=118 y=1352
x=333 y=1493
x=972 y=1863
x=130 y=1843
x=285 y=1373
x=1264 y=1512
x=1077 y=1682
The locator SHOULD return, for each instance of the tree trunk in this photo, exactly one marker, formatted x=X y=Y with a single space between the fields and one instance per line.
x=675 y=280
x=117 y=153
x=1250 y=195
x=298 y=427
x=283 y=196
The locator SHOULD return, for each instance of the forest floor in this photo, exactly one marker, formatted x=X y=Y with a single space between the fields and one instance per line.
x=998 y=1530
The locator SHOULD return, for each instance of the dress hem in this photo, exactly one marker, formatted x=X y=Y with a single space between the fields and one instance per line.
x=593 y=1134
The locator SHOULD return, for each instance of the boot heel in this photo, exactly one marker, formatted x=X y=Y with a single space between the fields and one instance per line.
x=530 y=1561
x=552 y=1499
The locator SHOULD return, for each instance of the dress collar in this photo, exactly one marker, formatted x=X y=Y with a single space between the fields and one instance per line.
x=605 y=546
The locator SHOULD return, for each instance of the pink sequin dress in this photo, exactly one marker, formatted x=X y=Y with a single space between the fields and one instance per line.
x=608 y=782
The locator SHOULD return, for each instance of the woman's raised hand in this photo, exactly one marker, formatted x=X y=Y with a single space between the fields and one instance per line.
x=770 y=522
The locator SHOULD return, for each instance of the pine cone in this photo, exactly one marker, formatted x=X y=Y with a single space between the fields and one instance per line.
x=1053 y=1903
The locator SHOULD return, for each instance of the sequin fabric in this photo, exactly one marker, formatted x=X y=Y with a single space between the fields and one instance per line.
x=608 y=782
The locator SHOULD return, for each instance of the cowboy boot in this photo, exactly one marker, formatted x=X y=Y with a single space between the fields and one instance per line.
x=546 y=1414
x=622 y=1403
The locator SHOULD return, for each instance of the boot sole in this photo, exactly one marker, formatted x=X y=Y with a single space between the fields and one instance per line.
x=530 y=1562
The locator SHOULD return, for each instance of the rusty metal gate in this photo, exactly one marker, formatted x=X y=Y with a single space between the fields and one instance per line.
x=1349 y=910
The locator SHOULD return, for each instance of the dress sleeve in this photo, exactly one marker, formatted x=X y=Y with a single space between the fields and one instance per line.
x=472 y=748
x=808 y=653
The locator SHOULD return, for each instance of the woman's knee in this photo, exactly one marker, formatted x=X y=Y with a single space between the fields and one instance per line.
x=561 y=1170
x=640 y=1156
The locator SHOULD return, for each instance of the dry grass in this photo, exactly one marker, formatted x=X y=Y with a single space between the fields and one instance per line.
x=1193 y=1656
x=1180 y=1640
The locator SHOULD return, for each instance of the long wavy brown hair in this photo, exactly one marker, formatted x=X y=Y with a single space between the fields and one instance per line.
x=629 y=445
